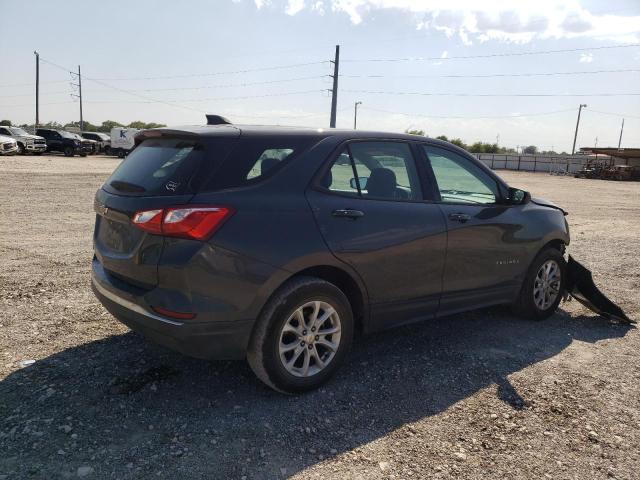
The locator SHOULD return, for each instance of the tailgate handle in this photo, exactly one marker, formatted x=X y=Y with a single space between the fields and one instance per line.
x=348 y=213
x=459 y=217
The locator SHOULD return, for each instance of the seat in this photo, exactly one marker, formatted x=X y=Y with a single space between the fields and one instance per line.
x=382 y=183
x=327 y=180
x=267 y=164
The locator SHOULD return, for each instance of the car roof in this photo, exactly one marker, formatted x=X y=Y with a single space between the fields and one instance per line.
x=271 y=130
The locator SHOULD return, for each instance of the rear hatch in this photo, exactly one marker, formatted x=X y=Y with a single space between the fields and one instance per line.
x=164 y=170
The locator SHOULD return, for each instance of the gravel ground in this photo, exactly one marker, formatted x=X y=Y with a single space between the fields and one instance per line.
x=477 y=395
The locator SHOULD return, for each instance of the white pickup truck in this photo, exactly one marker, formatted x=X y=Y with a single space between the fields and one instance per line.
x=122 y=140
x=26 y=142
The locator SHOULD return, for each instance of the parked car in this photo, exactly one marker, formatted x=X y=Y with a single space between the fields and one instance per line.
x=90 y=147
x=26 y=142
x=277 y=244
x=8 y=146
x=62 y=141
x=104 y=141
x=122 y=140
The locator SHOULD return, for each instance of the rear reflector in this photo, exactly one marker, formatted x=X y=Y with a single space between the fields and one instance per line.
x=172 y=314
x=197 y=222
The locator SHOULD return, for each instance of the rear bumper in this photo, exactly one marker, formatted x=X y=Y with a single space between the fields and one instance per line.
x=223 y=340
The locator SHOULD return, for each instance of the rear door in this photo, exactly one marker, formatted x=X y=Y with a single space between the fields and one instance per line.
x=161 y=172
x=374 y=214
x=484 y=255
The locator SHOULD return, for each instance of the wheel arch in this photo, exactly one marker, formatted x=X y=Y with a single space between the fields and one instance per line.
x=557 y=243
x=349 y=286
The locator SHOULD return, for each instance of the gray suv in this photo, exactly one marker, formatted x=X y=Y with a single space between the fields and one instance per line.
x=278 y=244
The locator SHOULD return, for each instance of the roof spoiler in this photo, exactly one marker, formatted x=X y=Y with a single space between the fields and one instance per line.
x=217 y=120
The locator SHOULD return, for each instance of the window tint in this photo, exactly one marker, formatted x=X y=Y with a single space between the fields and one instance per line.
x=267 y=160
x=157 y=167
x=4 y=131
x=253 y=159
x=384 y=170
x=459 y=180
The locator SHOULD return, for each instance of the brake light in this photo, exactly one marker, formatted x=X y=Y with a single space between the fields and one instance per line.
x=194 y=222
x=149 y=220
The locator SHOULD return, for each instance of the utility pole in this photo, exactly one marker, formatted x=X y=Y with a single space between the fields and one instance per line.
x=498 y=139
x=575 y=136
x=79 y=96
x=621 y=130
x=355 y=115
x=37 y=90
x=334 y=90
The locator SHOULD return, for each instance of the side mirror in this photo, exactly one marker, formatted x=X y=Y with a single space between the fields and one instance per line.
x=518 y=197
x=361 y=180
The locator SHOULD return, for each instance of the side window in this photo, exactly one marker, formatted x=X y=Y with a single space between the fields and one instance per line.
x=268 y=159
x=459 y=180
x=380 y=170
x=4 y=131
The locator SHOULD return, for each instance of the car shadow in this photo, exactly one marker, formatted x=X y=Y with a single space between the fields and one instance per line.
x=129 y=409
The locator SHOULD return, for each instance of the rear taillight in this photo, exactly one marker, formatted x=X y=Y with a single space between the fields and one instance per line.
x=195 y=222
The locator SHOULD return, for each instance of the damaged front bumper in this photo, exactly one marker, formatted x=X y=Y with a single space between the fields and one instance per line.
x=580 y=286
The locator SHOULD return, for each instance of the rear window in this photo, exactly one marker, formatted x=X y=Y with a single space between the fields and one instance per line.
x=254 y=159
x=161 y=166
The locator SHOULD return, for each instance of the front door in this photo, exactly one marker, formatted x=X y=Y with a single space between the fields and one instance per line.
x=371 y=209
x=484 y=256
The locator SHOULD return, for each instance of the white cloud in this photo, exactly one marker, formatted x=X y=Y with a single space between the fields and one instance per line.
x=474 y=20
x=586 y=57
x=294 y=6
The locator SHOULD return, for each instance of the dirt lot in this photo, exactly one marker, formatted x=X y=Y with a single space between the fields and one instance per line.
x=479 y=395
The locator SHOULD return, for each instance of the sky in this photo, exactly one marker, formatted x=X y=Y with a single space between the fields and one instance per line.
x=508 y=71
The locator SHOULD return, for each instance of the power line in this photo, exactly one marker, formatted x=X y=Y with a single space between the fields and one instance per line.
x=123 y=90
x=31 y=94
x=622 y=115
x=492 y=55
x=491 y=75
x=468 y=117
x=231 y=85
x=231 y=72
x=462 y=94
x=30 y=84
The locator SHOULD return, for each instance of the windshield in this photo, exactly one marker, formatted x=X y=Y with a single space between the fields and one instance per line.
x=66 y=134
x=17 y=131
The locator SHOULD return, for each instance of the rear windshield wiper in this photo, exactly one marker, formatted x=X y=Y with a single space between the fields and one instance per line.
x=127 y=187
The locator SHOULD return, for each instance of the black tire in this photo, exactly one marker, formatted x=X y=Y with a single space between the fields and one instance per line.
x=21 y=149
x=525 y=305
x=68 y=152
x=83 y=154
x=263 y=355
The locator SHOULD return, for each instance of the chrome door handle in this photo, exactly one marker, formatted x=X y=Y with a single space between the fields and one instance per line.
x=348 y=213
x=459 y=217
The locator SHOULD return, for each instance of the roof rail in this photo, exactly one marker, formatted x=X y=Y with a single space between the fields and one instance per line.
x=217 y=120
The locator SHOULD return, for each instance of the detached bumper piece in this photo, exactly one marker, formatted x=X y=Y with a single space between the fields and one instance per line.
x=581 y=287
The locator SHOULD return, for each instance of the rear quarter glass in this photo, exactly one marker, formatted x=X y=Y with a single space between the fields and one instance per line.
x=254 y=159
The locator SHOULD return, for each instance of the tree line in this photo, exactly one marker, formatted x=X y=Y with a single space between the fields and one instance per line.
x=483 y=147
x=105 y=127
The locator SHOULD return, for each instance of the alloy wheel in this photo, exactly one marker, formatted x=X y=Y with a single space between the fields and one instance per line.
x=546 y=286
x=309 y=339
